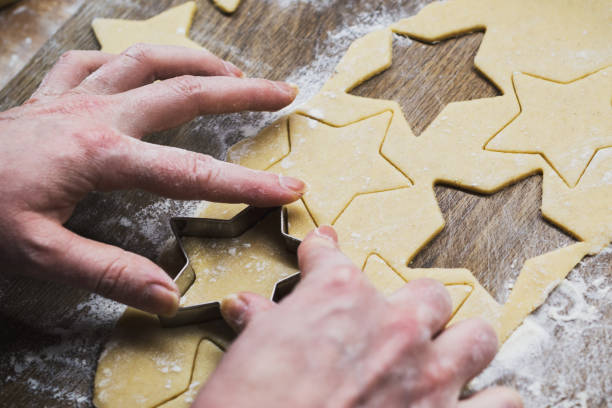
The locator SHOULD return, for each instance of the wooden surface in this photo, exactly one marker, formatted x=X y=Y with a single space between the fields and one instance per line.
x=491 y=235
x=25 y=26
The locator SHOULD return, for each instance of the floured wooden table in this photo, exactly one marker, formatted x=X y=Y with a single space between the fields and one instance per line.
x=558 y=357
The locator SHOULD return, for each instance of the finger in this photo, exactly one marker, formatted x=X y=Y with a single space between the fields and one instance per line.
x=319 y=255
x=142 y=64
x=427 y=301
x=466 y=348
x=239 y=309
x=495 y=397
x=166 y=104
x=71 y=68
x=103 y=269
x=181 y=174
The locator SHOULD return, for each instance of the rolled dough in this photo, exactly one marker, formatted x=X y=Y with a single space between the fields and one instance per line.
x=383 y=225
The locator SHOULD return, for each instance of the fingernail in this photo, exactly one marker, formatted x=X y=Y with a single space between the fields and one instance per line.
x=168 y=299
x=327 y=232
x=234 y=309
x=287 y=88
x=293 y=184
x=233 y=70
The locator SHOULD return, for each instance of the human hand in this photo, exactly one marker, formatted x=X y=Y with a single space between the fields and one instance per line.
x=337 y=342
x=79 y=132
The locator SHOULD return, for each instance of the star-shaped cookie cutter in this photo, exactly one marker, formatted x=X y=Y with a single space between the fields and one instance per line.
x=215 y=228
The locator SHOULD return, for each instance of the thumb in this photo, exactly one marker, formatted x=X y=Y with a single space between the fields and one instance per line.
x=66 y=257
x=239 y=309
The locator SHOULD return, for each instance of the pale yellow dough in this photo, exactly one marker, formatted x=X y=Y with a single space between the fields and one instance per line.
x=557 y=39
x=252 y=262
x=565 y=123
x=168 y=28
x=383 y=223
x=144 y=365
x=317 y=145
x=207 y=358
x=228 y=6
x=392 y=226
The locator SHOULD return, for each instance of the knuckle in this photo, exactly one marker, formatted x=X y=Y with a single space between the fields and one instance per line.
x=138 y=52
x=436 y=294
x=186 y=85
x=109 y=280
x=408 y=331
x=341 y=277
x=205 y=168
x=484 y=338
x=439 y=372
x=69 y=57
x=96 y=140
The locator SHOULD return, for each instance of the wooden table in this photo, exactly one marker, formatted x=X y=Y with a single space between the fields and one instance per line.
x=25 y=26
x=52 y=335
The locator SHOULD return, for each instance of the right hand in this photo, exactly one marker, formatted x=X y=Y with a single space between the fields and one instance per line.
x=337 y=342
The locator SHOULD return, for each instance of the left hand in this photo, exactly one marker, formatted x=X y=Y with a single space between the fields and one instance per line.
x=80 y=132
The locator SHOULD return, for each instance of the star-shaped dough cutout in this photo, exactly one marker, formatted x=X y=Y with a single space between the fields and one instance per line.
x=565 y=123
x=253 y=261
x=168 y=28
x=557 y=39
x=338 y=163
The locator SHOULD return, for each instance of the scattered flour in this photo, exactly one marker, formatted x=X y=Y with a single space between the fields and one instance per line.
x=550 y=358
x=71 y=353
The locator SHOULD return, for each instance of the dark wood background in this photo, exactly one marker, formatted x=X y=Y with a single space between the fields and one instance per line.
x=491 y=235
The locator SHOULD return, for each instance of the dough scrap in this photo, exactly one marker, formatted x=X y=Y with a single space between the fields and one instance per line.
x=168 y=28
x=252 y=262
x=557 y=39
x=565 y=123
x=227 y=6
x=207 y=358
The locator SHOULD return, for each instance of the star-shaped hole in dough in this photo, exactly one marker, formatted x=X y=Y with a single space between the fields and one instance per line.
x=338 y=163
x=253 y=261
x=168 y=28
x=565 y=123
x=557 y=39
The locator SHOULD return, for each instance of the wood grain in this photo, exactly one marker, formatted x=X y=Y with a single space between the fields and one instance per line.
x=491 y=235
x=25 y=26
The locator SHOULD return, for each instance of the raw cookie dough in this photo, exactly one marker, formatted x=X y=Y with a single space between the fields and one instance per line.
x=227 y=6
x=145 y=365
x=565 y=123
x=556 y=39
x=168 y=28
x=252 y=262
x=451 y=150
x=207 y=358
x=316 y=145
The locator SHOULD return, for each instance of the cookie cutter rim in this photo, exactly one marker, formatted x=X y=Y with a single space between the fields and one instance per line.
x=219 y=228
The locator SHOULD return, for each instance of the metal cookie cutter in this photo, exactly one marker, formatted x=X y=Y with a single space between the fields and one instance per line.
x=214 y=228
